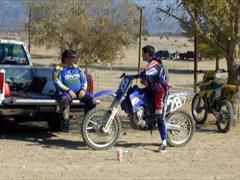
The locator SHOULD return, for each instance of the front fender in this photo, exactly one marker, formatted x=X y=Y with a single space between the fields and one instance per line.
x=103 y=93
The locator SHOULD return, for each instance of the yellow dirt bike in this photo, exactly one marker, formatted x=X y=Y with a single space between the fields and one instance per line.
x=214 y=97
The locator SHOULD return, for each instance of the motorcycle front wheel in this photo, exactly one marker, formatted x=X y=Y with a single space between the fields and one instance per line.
x=179 y=138
x=225 y=116
x=92 y=132
x=199 y=111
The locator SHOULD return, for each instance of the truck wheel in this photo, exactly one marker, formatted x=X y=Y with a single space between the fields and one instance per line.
x=55 y=124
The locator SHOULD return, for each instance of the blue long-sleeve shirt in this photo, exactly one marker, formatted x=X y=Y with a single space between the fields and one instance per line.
x=69 y=78
x=156 y=73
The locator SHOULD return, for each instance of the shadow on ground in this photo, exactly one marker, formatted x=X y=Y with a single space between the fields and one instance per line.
x=206 y=128
x=38 y=133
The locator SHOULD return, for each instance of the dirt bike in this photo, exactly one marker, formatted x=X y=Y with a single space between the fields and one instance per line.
x=214 y=97
x=101 y=127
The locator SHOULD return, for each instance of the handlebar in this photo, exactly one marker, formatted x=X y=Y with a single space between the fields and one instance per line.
x=216 y=71
x=135 y=76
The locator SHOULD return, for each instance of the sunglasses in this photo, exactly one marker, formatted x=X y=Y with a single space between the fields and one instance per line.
x=72 y=57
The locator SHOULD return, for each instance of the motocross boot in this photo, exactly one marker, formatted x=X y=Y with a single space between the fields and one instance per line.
x=90 y=103
x=162 y=128
x=66 y=122
x=65 y=125
x=162 y=148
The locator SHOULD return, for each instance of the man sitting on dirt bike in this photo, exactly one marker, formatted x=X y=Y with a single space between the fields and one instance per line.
x=155 y=77
x=71 y=83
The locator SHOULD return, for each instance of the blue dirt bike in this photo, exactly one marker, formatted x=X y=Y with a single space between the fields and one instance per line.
x=101 y=127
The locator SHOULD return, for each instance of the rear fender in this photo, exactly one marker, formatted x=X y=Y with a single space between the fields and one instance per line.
x=177 y=100
x=228 y=91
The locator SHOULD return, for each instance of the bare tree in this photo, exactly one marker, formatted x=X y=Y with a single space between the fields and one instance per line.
x=89 y=27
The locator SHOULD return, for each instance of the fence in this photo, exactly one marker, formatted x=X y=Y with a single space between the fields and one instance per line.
x=180 y=71
x=180 y=79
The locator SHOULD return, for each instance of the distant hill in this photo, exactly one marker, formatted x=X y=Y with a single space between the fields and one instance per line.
x=13 y=14
x=154 y=25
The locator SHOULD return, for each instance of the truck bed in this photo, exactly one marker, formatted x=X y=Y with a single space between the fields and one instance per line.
x=34 y=99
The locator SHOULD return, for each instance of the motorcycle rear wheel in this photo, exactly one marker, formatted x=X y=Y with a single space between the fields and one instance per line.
x=93 y=134
x=225 y=118
x=187 y=128
x=199 y=111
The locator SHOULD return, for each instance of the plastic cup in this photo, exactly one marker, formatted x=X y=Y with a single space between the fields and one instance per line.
x=119 y=154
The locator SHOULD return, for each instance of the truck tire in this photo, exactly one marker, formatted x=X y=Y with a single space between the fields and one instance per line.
x=55 y=124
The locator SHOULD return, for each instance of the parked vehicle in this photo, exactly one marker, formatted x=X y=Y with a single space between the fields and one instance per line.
x=214 y=97
x=27 y=92
x=188 y=55
x=101 y=127
x=163 y=54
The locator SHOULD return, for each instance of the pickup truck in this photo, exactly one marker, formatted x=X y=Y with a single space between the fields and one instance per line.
x=27 y=92
x=188 y=55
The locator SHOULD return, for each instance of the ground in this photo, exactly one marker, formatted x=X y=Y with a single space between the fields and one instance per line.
x=31 y=151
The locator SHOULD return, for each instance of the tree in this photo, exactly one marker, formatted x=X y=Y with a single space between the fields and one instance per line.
x=208 y=52
x=89 y=27
x=217 y=24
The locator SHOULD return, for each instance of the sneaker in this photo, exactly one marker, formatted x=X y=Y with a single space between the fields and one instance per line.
x=65 y=126
x=162 y=148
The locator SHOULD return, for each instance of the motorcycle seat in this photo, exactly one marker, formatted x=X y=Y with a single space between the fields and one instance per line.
x=212 y=85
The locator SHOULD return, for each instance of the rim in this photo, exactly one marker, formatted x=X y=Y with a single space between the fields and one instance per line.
x=180 y=137
x=94 y=133
x=198 y=108
x=223 y=116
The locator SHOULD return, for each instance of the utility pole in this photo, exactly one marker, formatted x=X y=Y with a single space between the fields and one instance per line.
x=195 y=54
x=140 y=39
x=29 y=25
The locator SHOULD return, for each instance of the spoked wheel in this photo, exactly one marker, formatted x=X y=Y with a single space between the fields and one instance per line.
x=225 y=116
x=180 y=137
x=92 y=130
x=199 y=111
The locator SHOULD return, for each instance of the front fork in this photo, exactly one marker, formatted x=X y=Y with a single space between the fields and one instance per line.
x=215 y=109
x=109 y=116
x=206 y=106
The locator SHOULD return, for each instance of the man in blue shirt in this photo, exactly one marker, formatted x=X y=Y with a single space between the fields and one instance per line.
x=71 y=83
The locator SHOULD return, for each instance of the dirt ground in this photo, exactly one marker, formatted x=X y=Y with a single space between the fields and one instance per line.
x=31 y=151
